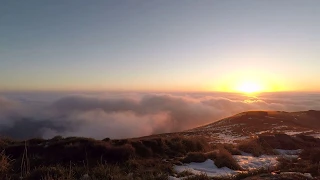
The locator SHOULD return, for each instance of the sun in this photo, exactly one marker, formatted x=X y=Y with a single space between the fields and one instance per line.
x=249 y=87
x=248 y=83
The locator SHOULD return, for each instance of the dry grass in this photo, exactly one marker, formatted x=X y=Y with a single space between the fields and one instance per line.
x=195 y=157
x=184 y=174
x=251 y=146
x=256 y=147
x=308 y=162
x=232 y=149
x=221 y=158
x=73 y=157
x=224 y=159
x=198 y=177
x=5 y=165
x=312 y=154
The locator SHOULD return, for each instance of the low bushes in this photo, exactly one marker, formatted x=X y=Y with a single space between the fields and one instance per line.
x=195 y=157
x=5 y=165
x=52 y=159
x=299 y=165
x=232 y=149
x=225 y=159
x=221 y=158
x=168 y=147
x=312 y=154
x=256 y=147
x=142 y=150
x=52 y=172
x=251 y=146
x=75 y=149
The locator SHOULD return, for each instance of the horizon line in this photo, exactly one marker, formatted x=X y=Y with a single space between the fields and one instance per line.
x=148 y=91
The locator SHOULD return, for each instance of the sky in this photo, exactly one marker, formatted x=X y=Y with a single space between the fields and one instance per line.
x=168 y=45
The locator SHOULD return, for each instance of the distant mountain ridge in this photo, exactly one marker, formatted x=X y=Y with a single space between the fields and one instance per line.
x=252 y=123
x=248 y=124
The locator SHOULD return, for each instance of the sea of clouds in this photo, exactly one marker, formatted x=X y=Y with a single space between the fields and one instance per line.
x=123 y=115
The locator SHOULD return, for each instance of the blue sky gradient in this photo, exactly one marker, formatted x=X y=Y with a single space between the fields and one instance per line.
x=159 y=45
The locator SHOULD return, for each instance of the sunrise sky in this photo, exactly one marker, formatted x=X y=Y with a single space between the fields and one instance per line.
x=167 y=45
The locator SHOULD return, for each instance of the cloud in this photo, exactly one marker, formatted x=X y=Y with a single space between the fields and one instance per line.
x=122 y=116
x=8 y=110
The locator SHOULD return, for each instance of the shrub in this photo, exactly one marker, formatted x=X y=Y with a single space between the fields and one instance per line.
x=53 y=159
x=109 y=152
x=175 y=145
x=251 y=146
x=307 y=163
x=5 y=142
x=312 y=154
x=35 y=141
x=119 y=142
x=199 y=177
x=5 y=165
x=225 y=159
x=106 y=139
x=51 y=172
x=181 y=145
x=212 y=154
x=256 y=147
x=57 y=138
x=122 y=153
x=195 y=157
x=141 y=150
x=106 y=172
x=232 y=149
x=157 y=145
x=195 y=144
x=184 y=174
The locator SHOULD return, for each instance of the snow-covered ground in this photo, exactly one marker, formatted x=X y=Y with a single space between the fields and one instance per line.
x=224 y=134
x=297 y=132
x=315 y=135
x=208 y=167
x=246 y=161
x=288 y=132
x=249 y=162
x=227 y=138
x=288 y=152
x=262 y=132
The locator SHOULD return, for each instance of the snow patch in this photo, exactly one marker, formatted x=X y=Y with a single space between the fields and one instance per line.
x=289 y=154
x=262 y=132
x=173 y=178
x=248 y=162
x=296 y=132
x=228 y=138
x=280 y=127
x=208 y=167
x=315 y=135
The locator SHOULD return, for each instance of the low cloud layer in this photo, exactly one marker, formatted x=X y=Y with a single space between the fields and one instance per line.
x=131 y=115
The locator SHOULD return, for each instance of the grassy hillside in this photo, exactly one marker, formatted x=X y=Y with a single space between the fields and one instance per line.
x=147 y=158
x=75 y=158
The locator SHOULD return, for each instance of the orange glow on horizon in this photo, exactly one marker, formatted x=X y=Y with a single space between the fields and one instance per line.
x=249 y=87
x=249 y=82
